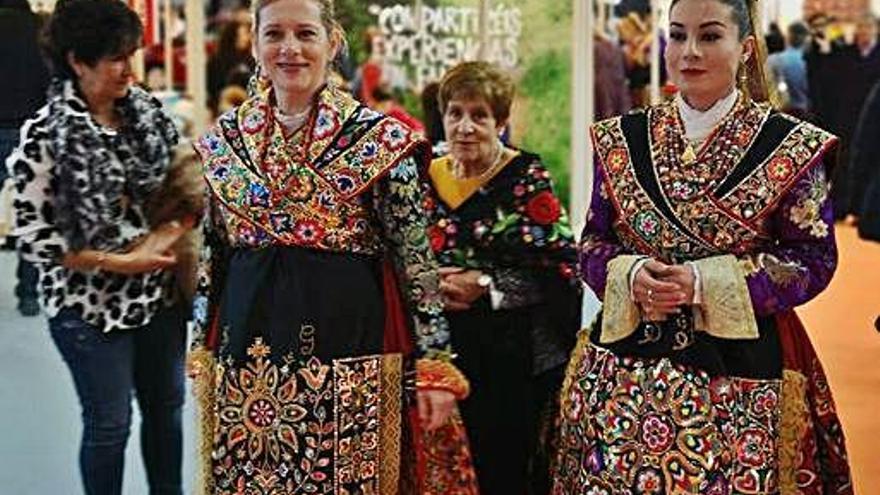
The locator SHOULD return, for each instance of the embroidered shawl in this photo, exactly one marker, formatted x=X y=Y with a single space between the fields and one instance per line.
x=717 y=203
x=307 y=193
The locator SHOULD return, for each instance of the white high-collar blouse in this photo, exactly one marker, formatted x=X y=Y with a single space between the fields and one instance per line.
x=698 y=125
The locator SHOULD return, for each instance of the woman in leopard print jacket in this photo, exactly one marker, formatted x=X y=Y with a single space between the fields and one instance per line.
x=87 y=164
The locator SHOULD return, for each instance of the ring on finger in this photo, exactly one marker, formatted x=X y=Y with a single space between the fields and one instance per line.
x=650 y=295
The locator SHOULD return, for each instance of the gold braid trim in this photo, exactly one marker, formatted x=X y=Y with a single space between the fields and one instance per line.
x=620 y=315
x=726 y=311
x=391 y=422
x=202 y=366
x=792 y=429
x=433 y=374
x=758 y=86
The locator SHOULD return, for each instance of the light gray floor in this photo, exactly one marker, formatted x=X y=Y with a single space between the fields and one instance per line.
x=39 y=412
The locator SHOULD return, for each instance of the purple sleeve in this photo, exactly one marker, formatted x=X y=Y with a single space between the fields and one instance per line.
x=803 y=258
x=599 y=243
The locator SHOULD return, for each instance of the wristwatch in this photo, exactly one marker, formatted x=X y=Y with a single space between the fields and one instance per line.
x=484 y=280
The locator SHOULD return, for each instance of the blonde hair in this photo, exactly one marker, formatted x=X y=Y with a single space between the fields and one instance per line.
x=478 y=79
x=328 y=17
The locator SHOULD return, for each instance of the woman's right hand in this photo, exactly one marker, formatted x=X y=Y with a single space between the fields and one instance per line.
x=151 y=253
x=657 y=298
x=435 y=407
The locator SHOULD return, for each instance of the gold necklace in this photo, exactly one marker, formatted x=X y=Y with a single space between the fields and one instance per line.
x=460 y=173
x=689 y=155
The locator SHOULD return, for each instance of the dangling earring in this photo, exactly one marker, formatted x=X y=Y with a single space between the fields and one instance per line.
x=258 y=84
x=743 y=76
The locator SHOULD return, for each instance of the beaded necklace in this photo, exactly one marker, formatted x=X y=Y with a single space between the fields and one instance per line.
x=686 y=174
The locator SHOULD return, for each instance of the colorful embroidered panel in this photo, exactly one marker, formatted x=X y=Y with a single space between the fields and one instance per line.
x=653 y=427
x=304 y=192
x=678 y=207
x=515 y=219
x=320 y=429
x=760 y=191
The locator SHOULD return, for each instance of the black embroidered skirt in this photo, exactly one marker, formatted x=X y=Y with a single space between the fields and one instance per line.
x=305 y=399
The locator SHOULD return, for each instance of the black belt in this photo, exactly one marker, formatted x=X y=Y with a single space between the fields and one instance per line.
x=679 y=327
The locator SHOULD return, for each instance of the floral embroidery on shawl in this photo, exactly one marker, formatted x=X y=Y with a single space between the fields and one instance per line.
x=305 y=193
x=807 y=213
x=523 y=224
x=713 y=205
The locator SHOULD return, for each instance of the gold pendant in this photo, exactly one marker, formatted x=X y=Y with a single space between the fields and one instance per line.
x=689 y=156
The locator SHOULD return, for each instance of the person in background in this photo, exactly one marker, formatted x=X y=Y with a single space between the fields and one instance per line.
x=774 y=40
x=823 y=62
x=507 y=257
x=865 y=168
x=635 y=34
x=611 y=95
x=232 y=63
x=433 y=116
x=789 y=70
x=179 y=108
x=369 y=75
x=376 y=71
x=23 y=86
x=841 y=72
x=385 y=102
x=861 y=74
x=710 y=222
x=87 y=165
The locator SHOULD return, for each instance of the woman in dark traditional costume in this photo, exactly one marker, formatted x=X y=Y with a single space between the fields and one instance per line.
x=710 y=222
x=508 y=259
x=304 y=343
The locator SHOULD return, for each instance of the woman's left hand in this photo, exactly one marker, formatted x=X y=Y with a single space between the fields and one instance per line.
x=460 y=287
x=435 y=407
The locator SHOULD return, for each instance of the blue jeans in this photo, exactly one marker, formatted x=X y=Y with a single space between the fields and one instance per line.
x=26 y=272
x=107 y=369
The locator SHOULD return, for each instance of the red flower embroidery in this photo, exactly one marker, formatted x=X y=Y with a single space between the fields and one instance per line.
x=744 y=137
x=429 y=203
x=544 y=208
x=254 y=121
x=658 y=434
x=649 y=482
x=781 y=168
x=437 y=237
x=617 y=159
x=309 y=232
x=262 y=413
x=765 y=402
x=753 y=448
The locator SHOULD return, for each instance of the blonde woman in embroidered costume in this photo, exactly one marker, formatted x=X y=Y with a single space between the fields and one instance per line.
x=710 y=223
x=508 y=260
x=318 y=294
